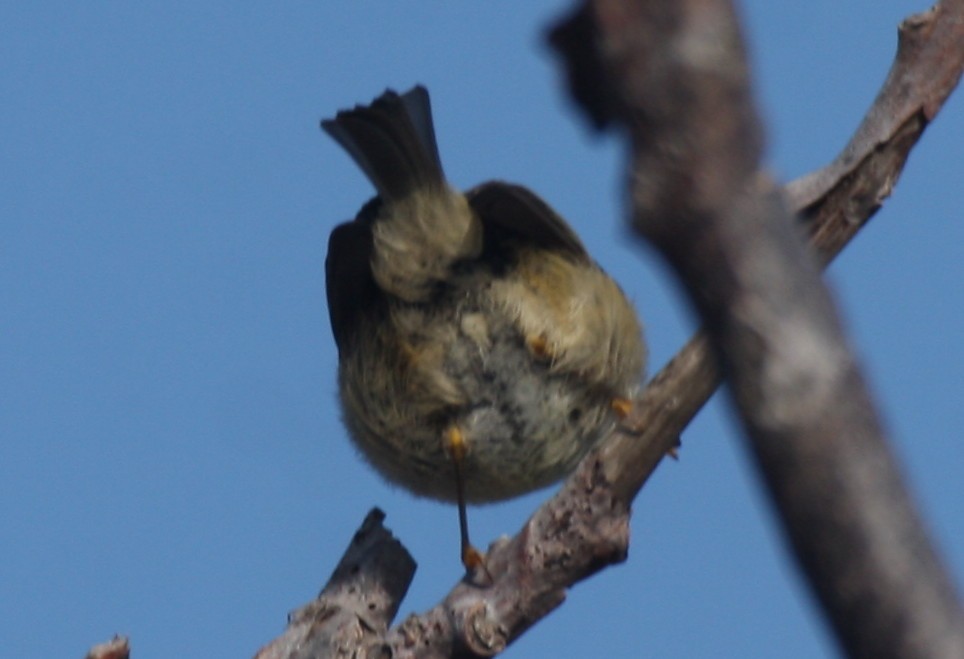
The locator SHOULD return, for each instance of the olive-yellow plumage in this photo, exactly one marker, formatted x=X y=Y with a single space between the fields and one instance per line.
x=475 y=316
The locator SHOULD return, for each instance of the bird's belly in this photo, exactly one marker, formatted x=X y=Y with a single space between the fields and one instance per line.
x=524 y=423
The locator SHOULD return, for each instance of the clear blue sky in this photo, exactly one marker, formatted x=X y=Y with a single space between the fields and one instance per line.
x=172 y=464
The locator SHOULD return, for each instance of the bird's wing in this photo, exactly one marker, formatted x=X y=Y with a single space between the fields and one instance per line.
x=352 y=292
x=508 y=210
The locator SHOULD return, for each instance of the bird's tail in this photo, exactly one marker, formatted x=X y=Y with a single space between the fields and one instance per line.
x=393 y=141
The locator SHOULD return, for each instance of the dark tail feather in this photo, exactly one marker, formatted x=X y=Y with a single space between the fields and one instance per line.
x=392 y=140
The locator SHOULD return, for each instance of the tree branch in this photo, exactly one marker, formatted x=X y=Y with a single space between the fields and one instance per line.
x=360 y=600
x=116 y=648
x=583 y=528
x=680 y=85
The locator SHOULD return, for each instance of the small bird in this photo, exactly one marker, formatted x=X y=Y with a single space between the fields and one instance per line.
x=482 y=352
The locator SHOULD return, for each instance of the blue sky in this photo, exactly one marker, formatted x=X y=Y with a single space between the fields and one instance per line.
x=172 y=464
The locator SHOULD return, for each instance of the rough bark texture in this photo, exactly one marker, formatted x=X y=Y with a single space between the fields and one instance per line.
x=352 y=613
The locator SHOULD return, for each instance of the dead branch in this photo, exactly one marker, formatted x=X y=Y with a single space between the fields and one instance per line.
x=680 y=85
x=116 y=648
x=360 y=600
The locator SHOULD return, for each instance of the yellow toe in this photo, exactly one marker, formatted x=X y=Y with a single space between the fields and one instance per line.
x=454 y=442
x=622 y=407
x=538 y=346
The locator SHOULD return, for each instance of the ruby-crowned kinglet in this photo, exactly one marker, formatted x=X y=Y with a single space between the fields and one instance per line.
x=481 y=350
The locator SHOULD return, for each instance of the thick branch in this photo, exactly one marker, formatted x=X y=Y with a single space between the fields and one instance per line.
x=681 y=87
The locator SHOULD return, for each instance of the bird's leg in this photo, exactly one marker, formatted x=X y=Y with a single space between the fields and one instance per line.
x=454 y=442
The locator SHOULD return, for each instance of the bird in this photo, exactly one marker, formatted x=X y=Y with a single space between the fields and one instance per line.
x=481 y=351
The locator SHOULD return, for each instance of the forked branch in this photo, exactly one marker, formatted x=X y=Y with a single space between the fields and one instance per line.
x=674 y=74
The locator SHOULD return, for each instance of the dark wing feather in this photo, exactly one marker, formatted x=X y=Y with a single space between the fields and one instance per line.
x=352 y=292
x=508 y=210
